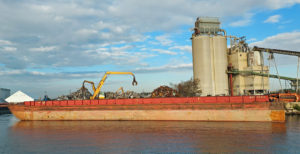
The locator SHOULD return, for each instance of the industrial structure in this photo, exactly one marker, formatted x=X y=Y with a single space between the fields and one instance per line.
x=242 y=59
x=4 y=93
x=233 y=68
x=209 y=46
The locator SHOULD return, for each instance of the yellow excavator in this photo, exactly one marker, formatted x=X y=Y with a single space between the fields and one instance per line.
x=98 y=89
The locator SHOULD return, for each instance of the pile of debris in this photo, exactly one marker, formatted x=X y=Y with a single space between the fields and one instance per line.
x=82 y=93
x=164 y=91
x=127 y=94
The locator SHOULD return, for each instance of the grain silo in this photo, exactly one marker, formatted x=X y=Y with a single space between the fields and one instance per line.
x=209 y=47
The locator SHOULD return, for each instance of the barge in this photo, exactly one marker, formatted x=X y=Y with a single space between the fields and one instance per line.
x=4 y=108
x=217 y=108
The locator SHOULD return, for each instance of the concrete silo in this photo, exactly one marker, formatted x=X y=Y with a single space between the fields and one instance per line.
x=209 y=48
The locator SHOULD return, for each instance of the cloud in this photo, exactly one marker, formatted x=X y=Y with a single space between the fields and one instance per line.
x=36 y=82
x=186 y=48
x=10 y=49
x=242 y=22
x=58 y=35
x=162 y=51
x=11 y=72
x=285 y=41
x=273 y=19
x=5 y=42
x=43 y=49
x=117 y=55
x=164 y=68
x=72 y=27
x=251 y=40
x=277 y=4
x=43 y=76
x=164 y=40
x=41 y=8
x=87 y=31
x=170 y=14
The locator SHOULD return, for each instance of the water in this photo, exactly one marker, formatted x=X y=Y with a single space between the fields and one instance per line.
x=147 y=136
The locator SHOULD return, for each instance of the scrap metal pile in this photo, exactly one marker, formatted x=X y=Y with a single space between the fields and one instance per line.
x=164 y=91
x=127 y=94
x=82 y=93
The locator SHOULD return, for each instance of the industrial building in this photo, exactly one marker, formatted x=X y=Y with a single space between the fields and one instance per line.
x=242 y=59
x=4 y=93
x=215 y=59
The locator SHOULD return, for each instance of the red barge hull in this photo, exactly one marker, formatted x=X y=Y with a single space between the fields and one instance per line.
x=221 y=108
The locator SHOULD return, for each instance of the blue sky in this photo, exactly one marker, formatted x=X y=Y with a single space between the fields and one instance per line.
x=54 y=45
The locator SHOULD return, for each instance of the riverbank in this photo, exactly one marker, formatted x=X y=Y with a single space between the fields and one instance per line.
x=292 y=108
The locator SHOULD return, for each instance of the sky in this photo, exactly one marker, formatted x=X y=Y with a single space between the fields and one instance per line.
x=50 y=47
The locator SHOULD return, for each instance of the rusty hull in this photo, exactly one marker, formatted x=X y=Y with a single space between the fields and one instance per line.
x=263 y=111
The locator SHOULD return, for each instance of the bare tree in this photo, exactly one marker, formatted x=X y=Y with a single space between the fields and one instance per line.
x=188 y=88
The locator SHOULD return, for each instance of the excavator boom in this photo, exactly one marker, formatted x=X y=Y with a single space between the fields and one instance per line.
x=98 y=89
x=90 y=82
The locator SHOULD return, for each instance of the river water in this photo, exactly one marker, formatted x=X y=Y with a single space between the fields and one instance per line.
x=148 y=136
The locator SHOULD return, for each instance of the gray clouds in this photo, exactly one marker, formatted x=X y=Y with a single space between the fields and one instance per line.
x=65 y=27
x=39 y=40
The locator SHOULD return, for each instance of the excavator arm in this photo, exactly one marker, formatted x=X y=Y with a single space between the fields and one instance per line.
x=90 y=82
x=98 y=89
x=120 y=89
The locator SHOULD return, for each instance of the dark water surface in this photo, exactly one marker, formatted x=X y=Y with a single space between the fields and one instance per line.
x=148 y=136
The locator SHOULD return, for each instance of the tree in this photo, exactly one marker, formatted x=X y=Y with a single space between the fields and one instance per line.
x=188 y=88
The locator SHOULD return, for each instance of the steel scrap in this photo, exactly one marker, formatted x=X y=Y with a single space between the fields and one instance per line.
x=127 y=94
x=164 y=91
x=82 y=93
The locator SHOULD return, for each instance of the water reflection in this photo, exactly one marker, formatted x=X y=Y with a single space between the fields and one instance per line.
x=149 y=136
